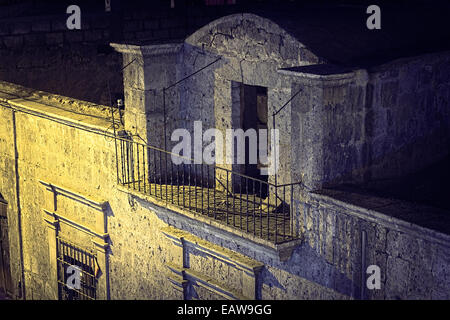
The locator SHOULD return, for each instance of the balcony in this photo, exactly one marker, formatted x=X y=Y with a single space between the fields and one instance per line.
x=232 y=199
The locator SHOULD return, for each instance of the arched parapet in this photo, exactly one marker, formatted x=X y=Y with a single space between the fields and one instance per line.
x=252 y=38
x=252 y=50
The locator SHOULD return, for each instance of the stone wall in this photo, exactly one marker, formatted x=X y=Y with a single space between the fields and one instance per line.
x=63 y=155
x=143 y=255
x=327 y=139
x=41 y=53
x=332 y=131
x=413 y=260
x=407 y=118
x=368 y=126
x=252 y=50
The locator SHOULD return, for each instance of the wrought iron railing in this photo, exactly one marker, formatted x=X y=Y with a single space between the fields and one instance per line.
x=246 y=203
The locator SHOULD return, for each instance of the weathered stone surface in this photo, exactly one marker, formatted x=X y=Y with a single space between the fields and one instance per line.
x=336 y=127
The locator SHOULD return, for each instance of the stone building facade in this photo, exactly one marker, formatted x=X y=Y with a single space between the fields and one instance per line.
x=61 y=174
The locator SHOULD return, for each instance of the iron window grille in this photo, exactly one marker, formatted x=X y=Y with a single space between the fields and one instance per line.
x=69 y=254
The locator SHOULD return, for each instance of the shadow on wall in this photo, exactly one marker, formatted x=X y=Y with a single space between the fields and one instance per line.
x=388 y=171
x=307 y=274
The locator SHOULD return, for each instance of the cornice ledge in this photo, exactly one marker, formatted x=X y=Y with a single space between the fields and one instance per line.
x=148 y=50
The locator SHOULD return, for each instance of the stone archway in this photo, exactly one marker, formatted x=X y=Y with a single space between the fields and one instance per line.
x=252 y=50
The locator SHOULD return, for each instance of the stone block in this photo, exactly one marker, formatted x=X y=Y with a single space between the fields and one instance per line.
x=152 y=24
x=99 y=22
x=389 y=94
x=54 y=38
x=41 y=26
x=4 y=28
x=34 y=39
x=13 y=41
x=397 y=278
x=161 y=33
x=20 y=28
x=132 y=26
x=93 y=35
x=74 y=36
x=59 y=25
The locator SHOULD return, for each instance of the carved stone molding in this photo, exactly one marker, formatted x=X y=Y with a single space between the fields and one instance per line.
x=96 y=232
x=185 y=278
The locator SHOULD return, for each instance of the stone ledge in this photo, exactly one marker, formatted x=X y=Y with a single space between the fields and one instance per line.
x=172 y=215
x=239 y=261
x=189 y=244
x=88 y=200
x=154 y=49
x=65 y=117
x=321 y=74
x=372 y=213
x=11 y=92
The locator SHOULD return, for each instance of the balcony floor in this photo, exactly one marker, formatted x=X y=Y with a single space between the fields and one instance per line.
x=248 y=213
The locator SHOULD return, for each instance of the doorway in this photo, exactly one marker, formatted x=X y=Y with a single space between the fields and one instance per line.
x=254 y=115
x=5 y=265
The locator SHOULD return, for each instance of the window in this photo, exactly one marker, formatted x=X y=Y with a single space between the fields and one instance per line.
x=68 y=254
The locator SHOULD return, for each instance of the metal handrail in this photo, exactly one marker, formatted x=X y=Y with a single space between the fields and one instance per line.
x=143 y=144
x=233 y=198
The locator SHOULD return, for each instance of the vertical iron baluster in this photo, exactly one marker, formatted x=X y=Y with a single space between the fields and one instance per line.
x=138 y=170
x=201 y=187
x=70 y=253
x=127 y=164
x=240 y=202
x=234 y=197
x=178 y=184
x=171 y=178
x=189 y=192
x=284 y=213
x=260 y=209
x=195 y=188
x=154 y=171
x=77 y=256
x=254 y=207
x=246 y=205
x=90 y=290
x=184 y=181
x=63 y=267
x=66 y=257
x=268 y=212
x=160 y=175
x=145 y=167
x=292 y=213
x=214 y=192
x=122 y=161
x=276 y=214
x=226 y=196
x=130 y=150
x=207 y=188
x=165 y=176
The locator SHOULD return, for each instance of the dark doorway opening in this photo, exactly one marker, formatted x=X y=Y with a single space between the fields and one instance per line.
x=254 y=115
x=5 y=265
